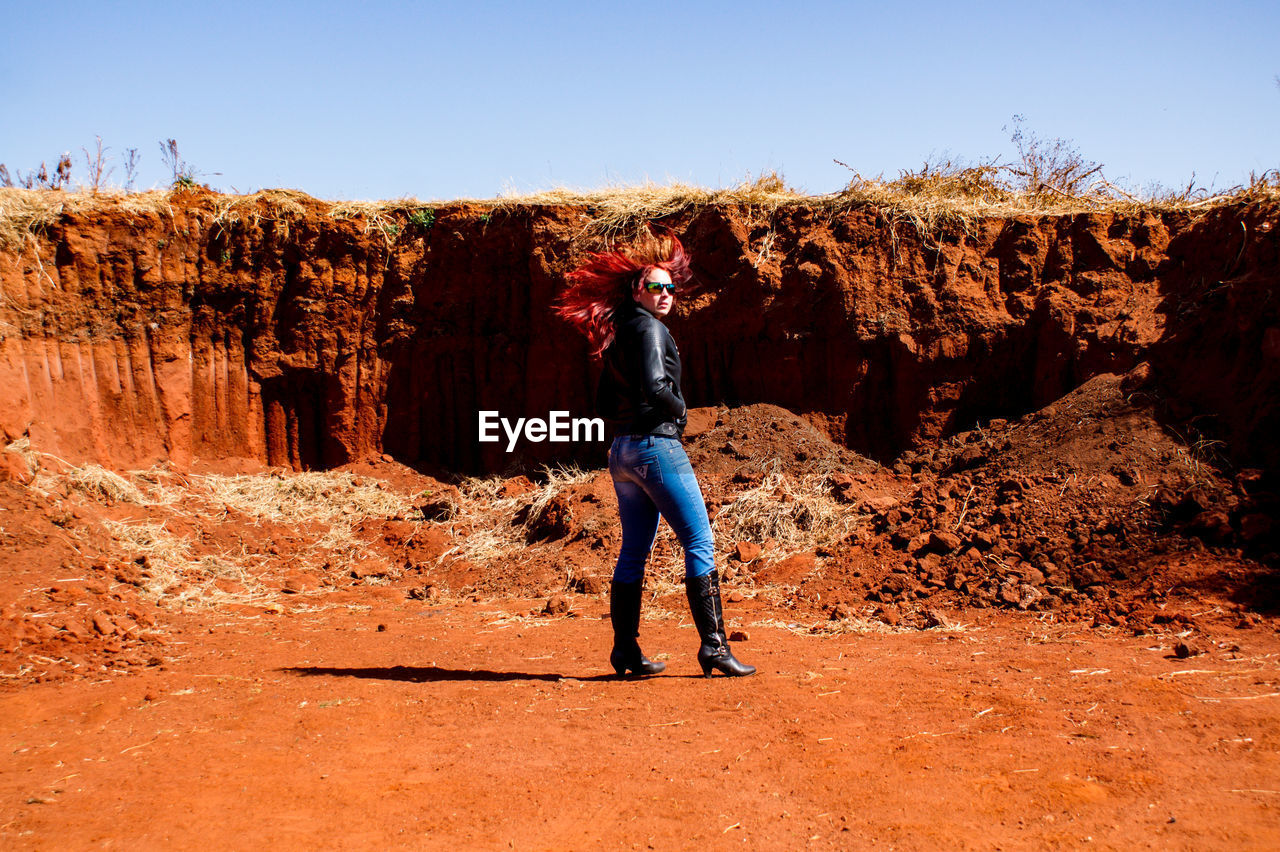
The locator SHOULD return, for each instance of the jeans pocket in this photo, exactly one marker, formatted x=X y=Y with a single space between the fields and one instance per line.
x=676 y=459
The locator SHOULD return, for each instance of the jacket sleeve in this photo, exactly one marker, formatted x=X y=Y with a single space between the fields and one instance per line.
x=655 y=382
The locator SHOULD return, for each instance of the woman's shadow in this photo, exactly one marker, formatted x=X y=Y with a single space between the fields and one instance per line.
x=432 y=674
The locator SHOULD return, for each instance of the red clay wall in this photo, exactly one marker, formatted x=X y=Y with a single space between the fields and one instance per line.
x=127 y=338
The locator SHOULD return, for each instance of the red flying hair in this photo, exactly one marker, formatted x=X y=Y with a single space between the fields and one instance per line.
x=605 y=281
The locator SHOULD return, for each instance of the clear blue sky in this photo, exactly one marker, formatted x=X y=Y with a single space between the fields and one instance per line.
x=380 y=100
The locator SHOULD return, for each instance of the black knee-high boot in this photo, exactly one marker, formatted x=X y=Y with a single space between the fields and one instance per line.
x=624 y=612
x=708 y=616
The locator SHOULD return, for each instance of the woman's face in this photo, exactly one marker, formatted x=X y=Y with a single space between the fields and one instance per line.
x=657 y=303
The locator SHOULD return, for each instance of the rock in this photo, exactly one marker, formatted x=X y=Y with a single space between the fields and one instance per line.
x=1192 y=502
x=386 y=457
x=554 y=521
x=14 y=468
x=1031 y=574
x=943 y=541
x=424 y=593
x=367 y=568
x=1212 y=525
x=895 y=584
x=878 y=503
x=516 y=486
x=589 y=585
x=840 y=612
x=1137 y=378
x=1255 y=526
x=556 y=605
x=739 y=636
x=736 y=596
x=1088 y=574
x=970 y=457
x=889 y=615
x=1028 y=595
x=1184 y=649
x=1249 y=480
x=918 y=543
x=1010 y=593
x=844 y=487
x=747 y=551
x=103 y=624
x=932 y=618
x=905 y=534
x=1247 y=621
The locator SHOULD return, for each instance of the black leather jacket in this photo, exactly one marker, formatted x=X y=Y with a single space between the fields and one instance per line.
x=639 y=390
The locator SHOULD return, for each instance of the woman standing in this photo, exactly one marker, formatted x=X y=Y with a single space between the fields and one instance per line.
x=618 y=299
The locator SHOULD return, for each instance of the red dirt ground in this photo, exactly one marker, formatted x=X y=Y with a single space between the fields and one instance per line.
x=468 y=725
x=434 y=703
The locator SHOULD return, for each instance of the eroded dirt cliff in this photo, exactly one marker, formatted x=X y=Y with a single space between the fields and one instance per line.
x=279 y=333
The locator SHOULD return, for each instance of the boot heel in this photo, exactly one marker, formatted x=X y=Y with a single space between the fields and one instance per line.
x=706 y=670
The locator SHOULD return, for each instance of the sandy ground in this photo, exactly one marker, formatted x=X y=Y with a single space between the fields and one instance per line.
x=378 y=722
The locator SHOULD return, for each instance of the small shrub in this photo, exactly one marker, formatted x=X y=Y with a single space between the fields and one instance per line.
x=96 y=165
x=1052 y=165
x=423 y=219
x=40 y=178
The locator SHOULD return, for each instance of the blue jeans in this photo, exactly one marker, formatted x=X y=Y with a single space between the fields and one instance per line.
x=652 y=476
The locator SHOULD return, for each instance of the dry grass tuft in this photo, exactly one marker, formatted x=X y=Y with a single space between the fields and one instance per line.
x=493 y=534
x=280 y=206
x=100 y=483
x=622 y=212
x=799 y=516
x=323 y=509
x=22 y=446
x=951 y=193
x=25 y=212
x=173 y=575
x=328 y=498
x=333 y=501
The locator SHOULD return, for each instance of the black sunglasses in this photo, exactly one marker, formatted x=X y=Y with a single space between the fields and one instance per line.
x=659 y=286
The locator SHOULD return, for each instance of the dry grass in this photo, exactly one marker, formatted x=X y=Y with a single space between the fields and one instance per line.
x=620 y=212
x=322 y=509
x=326 y=498
x=491 y=532
x=799 y=515
x=939 y=192
x=955 y=193
x=174 y=575
x=24 y=212
x=98 y=482
x=22 y=446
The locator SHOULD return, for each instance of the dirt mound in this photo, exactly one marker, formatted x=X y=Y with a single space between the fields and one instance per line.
x=745 y=442
x=1090 y=508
